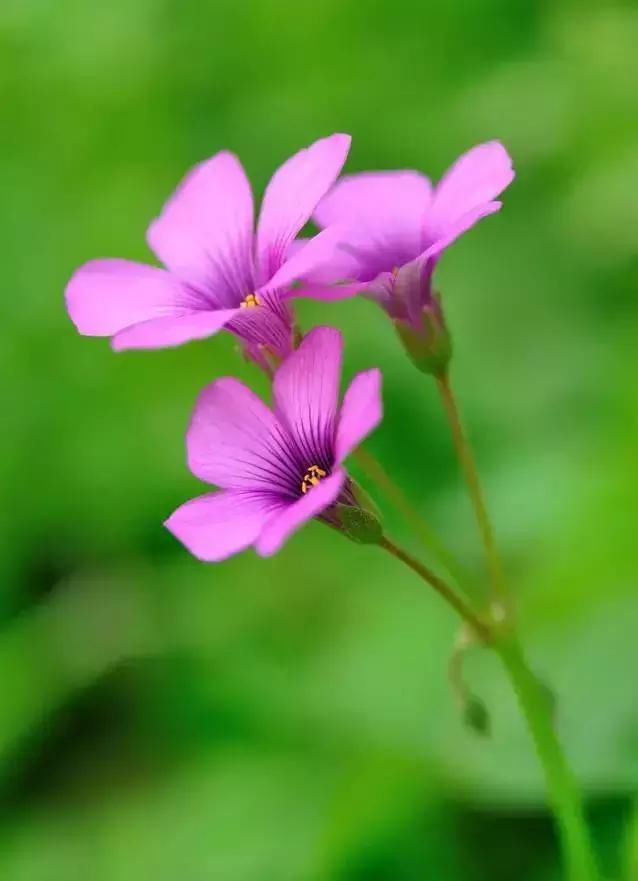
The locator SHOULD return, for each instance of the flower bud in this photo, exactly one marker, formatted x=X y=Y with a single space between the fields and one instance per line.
x=427 y=340
x=476 y=716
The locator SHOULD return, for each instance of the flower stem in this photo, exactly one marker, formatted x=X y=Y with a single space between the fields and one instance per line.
x=565 y=800
x=440 y=586
x=419 y=525
x=466 y=458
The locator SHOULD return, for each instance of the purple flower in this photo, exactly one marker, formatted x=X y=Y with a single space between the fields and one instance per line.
x=220 y=272
x=276 y=468
x=399 y=224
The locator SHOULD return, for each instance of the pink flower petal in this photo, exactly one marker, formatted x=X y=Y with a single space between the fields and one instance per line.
x=306 y=391
x=328 y=292
x=361 y=412
x=380 y=290
x=205 y=231
x=216 y=525
x=105 y=296
x=235 y=441
x=340 y=267
x=282 y=524
x=456 y=229
x=173 y=330
x=384 y=212
x=475 y=179
x=319 y=253
x=265 y=327
x=291 y=197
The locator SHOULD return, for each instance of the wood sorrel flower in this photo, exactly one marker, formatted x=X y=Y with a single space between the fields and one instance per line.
x=220 y=273
x=276 y=468
x=398 y=225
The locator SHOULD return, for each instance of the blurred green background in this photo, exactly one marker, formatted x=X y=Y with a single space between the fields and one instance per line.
x=289 y=719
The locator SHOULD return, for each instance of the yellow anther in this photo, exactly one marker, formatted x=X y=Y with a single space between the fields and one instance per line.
x=250 y=301
x=312 y=477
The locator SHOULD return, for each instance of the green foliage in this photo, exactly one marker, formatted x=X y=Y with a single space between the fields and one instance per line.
x=289 y=718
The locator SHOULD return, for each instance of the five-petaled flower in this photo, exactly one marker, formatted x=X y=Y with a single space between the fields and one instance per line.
x=220 y=272
x=276 y=468
x=399 y=224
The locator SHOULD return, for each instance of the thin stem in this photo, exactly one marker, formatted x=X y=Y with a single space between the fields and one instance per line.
x=465 y=641
x=630 y=848
x=532 y=697
x=439 y=585
x=562 y=788
x=421 y=528
x=466 y=458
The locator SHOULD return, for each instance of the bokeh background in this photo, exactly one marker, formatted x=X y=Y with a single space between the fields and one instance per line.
x=290 y=719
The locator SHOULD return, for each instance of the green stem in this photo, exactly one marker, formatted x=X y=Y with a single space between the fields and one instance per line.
x=562 y=788
x=630 y=862
x=440 y=586
x=466 y=458
x=419 y=525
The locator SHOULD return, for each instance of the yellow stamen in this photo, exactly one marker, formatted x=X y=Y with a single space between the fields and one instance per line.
x=312 y=477
x=250 y=301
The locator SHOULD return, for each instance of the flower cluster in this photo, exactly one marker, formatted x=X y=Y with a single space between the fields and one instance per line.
x=381 y=235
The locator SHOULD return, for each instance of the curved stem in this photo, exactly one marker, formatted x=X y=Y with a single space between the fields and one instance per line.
x=532 y=697
x=466 y=458
x=562 y=788
x=439 y=585
x=419 y=525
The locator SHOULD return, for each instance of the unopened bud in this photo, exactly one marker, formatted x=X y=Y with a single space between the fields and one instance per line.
x=428 y=341
x=476 y=716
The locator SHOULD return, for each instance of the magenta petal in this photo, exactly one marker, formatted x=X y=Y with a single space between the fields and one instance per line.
x=235 y=441
x=456 y=229
x=172 y=330
x=306 y=390
x=328 y=292
x=105 y=296
x=265 y=326
x=282 y=524
x=317 y=256
x=216 y=525
x=384 y=212
x=377 y=198
x=361 y=412
x=380 y=290
x=291 y=197
x=205 y=231
x=475 y=179
x=340 y=267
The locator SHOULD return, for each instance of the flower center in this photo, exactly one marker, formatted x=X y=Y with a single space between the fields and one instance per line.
x=312 y=477
x=250 y=301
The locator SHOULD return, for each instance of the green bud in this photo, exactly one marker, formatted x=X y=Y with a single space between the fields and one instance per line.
x=476 y=716
x=358 y=524
x=430 y=345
